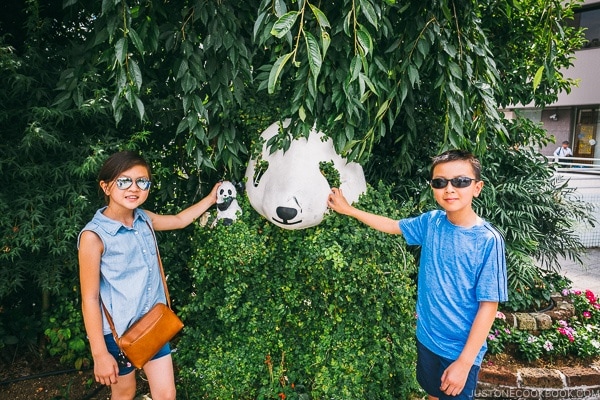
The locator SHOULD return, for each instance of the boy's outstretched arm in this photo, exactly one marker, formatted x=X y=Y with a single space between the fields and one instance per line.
x=338 y=203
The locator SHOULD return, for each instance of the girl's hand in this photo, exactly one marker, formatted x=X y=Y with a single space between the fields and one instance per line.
x=106 y=370
x=213 y=193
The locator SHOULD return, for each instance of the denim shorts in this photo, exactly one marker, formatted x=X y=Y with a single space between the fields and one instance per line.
x=430 y=368
x=113 y=349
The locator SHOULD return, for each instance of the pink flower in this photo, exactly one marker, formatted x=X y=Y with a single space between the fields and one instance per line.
x=587 y=314
x=590 y=296
x=568 y=332
x=491 y=337
x=500 y=315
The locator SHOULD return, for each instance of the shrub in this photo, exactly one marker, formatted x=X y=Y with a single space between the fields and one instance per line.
x=326 y=311
x=65 y=331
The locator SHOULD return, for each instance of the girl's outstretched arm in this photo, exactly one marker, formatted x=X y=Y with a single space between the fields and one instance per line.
x=185 y=217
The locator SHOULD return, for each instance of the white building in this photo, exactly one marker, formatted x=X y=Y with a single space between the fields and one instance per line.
x=575 y=116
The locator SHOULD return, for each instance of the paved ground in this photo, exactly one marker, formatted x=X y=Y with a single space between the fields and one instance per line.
x=588 y=276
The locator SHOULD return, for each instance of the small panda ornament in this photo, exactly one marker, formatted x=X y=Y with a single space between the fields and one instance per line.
x=227 y=204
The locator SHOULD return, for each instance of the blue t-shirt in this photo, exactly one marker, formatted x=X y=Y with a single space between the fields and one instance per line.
x=130 y=279
x=459 y=268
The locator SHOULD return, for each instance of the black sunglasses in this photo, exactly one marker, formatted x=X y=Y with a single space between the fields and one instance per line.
x=125 y=183
x=460 y=182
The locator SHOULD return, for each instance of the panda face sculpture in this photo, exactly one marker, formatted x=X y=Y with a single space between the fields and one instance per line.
x=289 y=189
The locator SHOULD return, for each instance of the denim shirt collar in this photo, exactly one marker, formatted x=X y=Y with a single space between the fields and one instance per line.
x=111 y=226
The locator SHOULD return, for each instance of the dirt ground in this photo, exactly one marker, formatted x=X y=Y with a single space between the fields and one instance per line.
x=36 y=379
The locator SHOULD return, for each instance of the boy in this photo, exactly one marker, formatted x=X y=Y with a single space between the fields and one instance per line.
x=462 y=275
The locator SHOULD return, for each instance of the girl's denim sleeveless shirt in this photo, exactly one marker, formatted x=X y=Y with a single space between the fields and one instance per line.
x=130 y=280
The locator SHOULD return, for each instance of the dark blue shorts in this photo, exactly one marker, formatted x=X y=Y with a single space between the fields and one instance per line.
x=113 y=349
x=430 y=368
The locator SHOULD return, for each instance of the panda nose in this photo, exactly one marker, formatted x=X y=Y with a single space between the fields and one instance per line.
x=286 y=213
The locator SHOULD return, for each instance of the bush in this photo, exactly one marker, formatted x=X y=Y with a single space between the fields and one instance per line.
x=325 y=312
x=65 y=331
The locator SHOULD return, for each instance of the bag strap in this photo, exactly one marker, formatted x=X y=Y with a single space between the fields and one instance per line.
x=164 y=281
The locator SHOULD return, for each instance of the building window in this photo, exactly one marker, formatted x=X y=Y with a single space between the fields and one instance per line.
x=589 y=19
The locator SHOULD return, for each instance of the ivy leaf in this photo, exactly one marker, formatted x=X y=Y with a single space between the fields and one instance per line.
x=121 y=50
x=257 y=24
x=284 y=24
x=276 y=70
x=364 y=39
x=136 y=74
x=137 y=42
x=325 y=42
x=538 y=78
x=355 y=67
x=320 y=16
x=280 y=7
x=139 y=107
x=314 y=55
x=413 y=74
x=369 y=12
x=107 y=5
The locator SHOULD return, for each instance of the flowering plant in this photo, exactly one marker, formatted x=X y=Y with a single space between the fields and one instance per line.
x=577 y=336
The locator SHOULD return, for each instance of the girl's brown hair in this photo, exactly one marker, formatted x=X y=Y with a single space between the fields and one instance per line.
x=119 y=162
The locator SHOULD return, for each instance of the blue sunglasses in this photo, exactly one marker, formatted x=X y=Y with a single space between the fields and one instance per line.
x=125 y=183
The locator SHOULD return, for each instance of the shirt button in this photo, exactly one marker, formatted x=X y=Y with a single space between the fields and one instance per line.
x=136 y=232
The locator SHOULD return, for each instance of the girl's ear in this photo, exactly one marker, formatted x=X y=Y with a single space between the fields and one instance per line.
x=104 y=187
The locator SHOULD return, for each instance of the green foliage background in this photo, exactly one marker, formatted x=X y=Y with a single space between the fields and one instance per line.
x=190 y=84
x=327 y=310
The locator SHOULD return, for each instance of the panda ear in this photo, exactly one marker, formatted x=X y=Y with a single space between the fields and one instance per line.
x=239 y=186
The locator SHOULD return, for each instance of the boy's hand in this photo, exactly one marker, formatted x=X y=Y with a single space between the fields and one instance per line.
x=337 y=202
x=454 y=378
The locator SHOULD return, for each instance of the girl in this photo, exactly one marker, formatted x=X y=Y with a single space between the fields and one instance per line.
x=119 y=266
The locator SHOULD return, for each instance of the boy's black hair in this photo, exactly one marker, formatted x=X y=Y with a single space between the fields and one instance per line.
x=457 y=155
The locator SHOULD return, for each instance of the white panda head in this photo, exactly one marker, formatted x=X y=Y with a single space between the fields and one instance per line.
x=225 y=195
x=289 y=189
